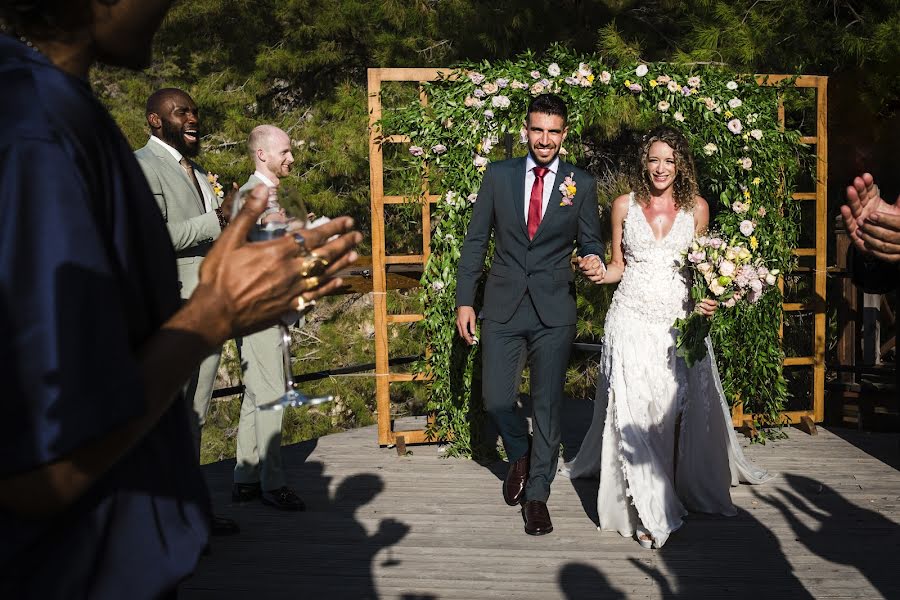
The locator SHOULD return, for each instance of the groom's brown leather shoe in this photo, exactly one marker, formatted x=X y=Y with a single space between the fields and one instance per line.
x=537 y=518
x=514 y=484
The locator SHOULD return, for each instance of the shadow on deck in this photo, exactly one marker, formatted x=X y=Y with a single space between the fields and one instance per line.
x=425 y=527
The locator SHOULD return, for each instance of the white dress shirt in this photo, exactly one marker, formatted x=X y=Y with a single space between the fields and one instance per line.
x=268 y=182
x=549 y=180
x=207 y=199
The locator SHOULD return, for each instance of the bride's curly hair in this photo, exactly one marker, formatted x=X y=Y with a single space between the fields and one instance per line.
x=685 y=189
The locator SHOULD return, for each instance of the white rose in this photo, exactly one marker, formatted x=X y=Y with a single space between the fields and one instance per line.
x=715 y=288
x=746 y=163
x=732 y=85
x=641 y=70
x=726 y=268
x=500 y=101
x=747 y=227
x=679 y=117
x=472 y=197
x=490 y=88
x=756 y=134
x=663 y=106
x=605 y=76
x=710 y=149
x=735 y=102
x=771 y=279
x=583 y=70
x=480 y=161
x=553 y=70
x=673 y=86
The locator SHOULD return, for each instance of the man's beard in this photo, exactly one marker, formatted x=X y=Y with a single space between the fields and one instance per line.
x=173 y=136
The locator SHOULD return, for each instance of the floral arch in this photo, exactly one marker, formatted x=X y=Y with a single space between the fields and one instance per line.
x=747 y=165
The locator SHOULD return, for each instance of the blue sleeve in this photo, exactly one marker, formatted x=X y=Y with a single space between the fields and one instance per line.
x=68 y=368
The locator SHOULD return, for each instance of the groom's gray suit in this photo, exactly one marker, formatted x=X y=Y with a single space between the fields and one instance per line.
x=193 y=230
x=529 y=303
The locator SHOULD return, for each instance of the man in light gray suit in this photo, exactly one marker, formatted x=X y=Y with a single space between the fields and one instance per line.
x=194 y=216
x=258 y=472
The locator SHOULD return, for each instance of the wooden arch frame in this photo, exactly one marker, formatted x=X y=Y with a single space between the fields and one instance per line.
x=381 y=261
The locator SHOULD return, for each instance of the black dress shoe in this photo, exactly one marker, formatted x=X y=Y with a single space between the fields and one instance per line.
x=537 y=518
x=284 y=498
x=514 y=484
x=245 y=492
x=224 y=526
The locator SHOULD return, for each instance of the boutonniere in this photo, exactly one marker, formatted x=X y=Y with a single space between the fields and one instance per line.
x=213 y=180
x=568 y=190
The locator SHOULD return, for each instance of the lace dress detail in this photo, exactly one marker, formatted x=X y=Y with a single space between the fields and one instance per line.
x=641 y=390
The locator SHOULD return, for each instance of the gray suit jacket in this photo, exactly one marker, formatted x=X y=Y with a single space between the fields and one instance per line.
x=540 y=266
x=191 y=228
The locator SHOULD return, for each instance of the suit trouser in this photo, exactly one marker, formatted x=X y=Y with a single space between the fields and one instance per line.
x=506 y=347
x=259 y=432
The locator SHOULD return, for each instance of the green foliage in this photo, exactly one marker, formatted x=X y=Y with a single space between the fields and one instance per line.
x=731 y=124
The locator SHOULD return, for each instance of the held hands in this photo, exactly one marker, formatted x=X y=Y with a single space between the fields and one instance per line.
x=246 y=286
x=592 y=268
x=465 y=324
x=706 y=307
x=873 y=224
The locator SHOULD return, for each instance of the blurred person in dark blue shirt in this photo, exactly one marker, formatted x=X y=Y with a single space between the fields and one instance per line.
x=100 y=491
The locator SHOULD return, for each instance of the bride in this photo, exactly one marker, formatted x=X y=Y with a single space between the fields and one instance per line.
x=661 y=435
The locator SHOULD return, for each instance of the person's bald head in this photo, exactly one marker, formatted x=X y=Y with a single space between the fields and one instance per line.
x=270 y=148
x=174 y=118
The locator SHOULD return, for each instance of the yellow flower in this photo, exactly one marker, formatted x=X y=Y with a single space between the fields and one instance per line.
x=653 y=83
x=754 y=244
x=590 y=78
x=728 y=114
x=747 y=194
x=571 y=189
x=627 y=82
x=757 y=181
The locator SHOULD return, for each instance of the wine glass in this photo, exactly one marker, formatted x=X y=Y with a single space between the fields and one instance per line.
x=286 y=212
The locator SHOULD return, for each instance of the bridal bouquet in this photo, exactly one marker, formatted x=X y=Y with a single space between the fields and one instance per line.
x=726 y=271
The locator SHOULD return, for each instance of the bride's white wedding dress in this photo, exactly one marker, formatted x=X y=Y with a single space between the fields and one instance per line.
x=641 y=391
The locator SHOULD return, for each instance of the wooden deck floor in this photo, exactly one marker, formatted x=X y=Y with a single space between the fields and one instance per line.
x=425 y=527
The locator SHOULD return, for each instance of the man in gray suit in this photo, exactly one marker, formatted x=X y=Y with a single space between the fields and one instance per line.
x=529 y=297
x=194 y=216
x=258 y=472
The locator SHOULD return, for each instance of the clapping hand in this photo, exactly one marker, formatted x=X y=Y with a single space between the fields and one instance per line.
x=872 y=223
x=247 y=286
x=592 y=268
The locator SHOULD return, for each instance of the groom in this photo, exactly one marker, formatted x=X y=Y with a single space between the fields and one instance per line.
x=529 y=297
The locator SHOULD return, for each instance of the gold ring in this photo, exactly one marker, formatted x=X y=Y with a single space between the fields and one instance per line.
x=315 y=254
x=304 y=305
x=313 y=265
x=310 y=283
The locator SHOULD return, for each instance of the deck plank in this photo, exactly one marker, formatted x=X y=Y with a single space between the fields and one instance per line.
x=425 y=527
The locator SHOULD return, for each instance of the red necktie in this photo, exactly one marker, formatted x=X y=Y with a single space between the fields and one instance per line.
x=537 y=199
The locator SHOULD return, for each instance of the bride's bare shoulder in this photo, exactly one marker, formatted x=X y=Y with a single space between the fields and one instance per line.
x=621 y=203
